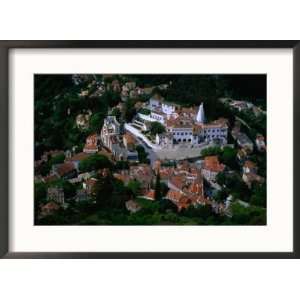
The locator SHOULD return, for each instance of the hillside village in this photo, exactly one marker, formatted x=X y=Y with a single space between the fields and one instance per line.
x=134 y=157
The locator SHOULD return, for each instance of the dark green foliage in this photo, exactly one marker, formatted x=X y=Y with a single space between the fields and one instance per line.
x=142 y=154
x=234 y=185
x=221 y=178
x=197 y=212
x=156 y=128
x=145 y=111
x=166 y=206
x=130 y=110
x=259 y=195
x=122 y=165
x=228 y=157
x=57 y=103
x=57 y=159
x=158 y=193
x=96 y=121
x=248 y=215
x=211 y=151
x=221 y=196
x=134 y=186
x=94 y=162
x=69 y=188
x=117 y=113
x=40 y=191
x=45 y=168
x=111 y=98
x=110 y=193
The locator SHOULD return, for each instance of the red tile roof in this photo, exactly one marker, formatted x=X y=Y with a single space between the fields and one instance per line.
x=65 y=168
x=150 y=195
x=174 y=195
x=129 y=138
x=50 y=178
x=178 y=181
x=212 y=164
x=249 y=164
x=79 y=156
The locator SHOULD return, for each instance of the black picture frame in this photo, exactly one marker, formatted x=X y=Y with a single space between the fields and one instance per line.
x=6 y=46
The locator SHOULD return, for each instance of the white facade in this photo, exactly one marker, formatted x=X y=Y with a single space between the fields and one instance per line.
x=211 y=133
x=200 y=115
x=154 y=103
x=184 y=125
x=182 y=134
x=168 y=109
x=110 y=128
x=209 y=175
x=157 y=117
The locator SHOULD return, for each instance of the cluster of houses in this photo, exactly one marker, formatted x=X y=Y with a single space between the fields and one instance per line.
x=250 y=175
x=245 y=142
x=243 y=106
x=182 y=125
x=185 y=182
x=67 y=171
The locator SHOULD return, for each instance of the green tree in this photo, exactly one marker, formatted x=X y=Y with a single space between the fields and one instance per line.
x=69 y=189
x=130 y=110
x=117 y=113
x=221 y=196
x=157 y=128
x=142 y=154
x=134 y=186
x=94 y=162
x=103 y=189
x=228 y=157
x=57 y=159
x=211 y=151
x=221 y=178
x=40 y=191
x=122 y=165
x=259 y=195
x=158 y=193
x=96 y=121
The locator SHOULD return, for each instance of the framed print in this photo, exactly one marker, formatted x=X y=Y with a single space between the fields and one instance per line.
x=149 y=149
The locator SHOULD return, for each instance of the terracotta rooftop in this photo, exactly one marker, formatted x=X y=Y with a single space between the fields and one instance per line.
x=90 y=147
x=212 y=164
x=249 y=164
x=50 y=178
x=150 y=195
x=174 y=195
x=129 y=138
x=217 y=123
x=79 y=156
x=65 y=168
x=50 y=206
x=166 y=172
x=178 y=181
x=196 y=188
x=92 y=136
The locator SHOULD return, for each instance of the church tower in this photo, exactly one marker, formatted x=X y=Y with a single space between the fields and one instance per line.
x=200 y=115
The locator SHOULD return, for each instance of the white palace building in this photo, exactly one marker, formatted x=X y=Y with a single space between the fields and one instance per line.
x=184 y=125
